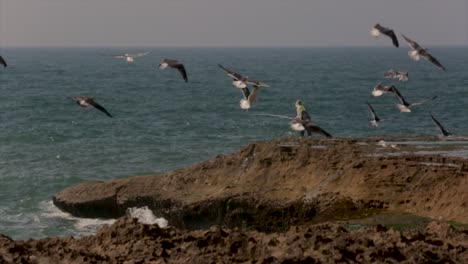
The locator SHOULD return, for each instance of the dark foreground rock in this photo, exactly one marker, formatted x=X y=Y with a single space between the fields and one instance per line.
x=128 y=241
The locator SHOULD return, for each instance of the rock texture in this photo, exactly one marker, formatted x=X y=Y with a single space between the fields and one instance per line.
x=128 y=241
x=289 y=181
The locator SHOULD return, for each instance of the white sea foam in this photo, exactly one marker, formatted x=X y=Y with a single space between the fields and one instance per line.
x=146 y=216
x=82 y=226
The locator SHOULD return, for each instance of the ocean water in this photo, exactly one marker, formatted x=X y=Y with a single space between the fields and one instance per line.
x=48 y=143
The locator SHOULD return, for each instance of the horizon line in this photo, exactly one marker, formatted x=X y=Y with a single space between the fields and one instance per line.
x=212 y=47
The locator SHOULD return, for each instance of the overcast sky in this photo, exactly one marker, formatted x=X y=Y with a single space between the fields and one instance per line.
x=220 y=23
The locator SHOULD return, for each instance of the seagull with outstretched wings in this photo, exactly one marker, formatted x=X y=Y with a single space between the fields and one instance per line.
x=175 y=65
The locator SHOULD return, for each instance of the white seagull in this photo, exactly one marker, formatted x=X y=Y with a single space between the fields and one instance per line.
x=380 y=89
x=378 y=29
x=175 y=65
x=418 y=51
x=84 y=101
x=375 y=119
x=249 y=97
x=240 y=81
x=130 y=57
x=404 y=106
x=402 y=76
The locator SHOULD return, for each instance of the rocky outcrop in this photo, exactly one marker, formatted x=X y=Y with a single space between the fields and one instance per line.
x=128 y=241
x=292 y=180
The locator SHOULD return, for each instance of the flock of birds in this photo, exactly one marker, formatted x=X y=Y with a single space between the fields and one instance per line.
x=302 y=122
x=415 y=53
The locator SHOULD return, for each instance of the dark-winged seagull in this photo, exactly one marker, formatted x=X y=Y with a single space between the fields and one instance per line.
x=84 y=101
x=417 y=52
x=131 y=57
x=402 y=76
x=3 y=62
x=240 y=81
x=175 y=65
x=249 y=97
x=380 y=89
x=379 y=29
x=303 y=123
x=404 y=105
x=375 y=118
x=445 y=133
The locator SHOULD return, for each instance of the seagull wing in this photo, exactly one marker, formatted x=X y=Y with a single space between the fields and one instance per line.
x=232 y=74
x=433 y=60
x=119 y=56
x=246 y=92
x=372 y=111
x=399 y=96
x=310 y=126
x=280 y=116
x=253 y=96
x=141 y=54
x=180 y=67
x=257 y=83
x=98 y=106
x=413 y=44
x=423 y=101
x=169 y=62
x=391 y=34
x=390 y=73
x=3 y=62
x=442 y=129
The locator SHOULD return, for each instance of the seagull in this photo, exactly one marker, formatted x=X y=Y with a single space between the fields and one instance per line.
x=417 y=52
x=84 y=101
x=402 y=76
x=375 y=118
x=249 y=98
x=3 y=62
x=383 y=144
x=130 y=57
x=445 y=133
x=380 y=89
x=378 y=29
x=240 y=81
x=404 y=105
x=174 y=64
x=303 y=122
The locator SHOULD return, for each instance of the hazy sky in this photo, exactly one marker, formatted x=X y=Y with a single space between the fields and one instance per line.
x=218 y=23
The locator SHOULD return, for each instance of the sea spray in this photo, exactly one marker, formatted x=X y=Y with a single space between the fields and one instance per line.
x=146 y=216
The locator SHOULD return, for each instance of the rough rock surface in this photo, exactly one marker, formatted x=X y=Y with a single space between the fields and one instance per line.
x=128 y=241
x=296 y=179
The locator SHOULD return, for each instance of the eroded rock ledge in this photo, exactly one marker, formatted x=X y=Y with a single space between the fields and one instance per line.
x=289 y=181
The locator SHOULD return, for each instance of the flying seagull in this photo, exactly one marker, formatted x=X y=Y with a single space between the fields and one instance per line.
x=375 y=118
x=240 y=81
x=303 y=122
x=3 y=62
x=404 y=105
x=130 y=57
x=417 y=52
x=380 y=89
x=379 y=29
x=402 y=76
x=174 y=64
x=445 y=133
x=84 y=101
x=300 y=125
x=249 y=97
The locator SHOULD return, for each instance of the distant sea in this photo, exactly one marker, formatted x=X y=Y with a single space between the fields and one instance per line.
x=160 y=123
